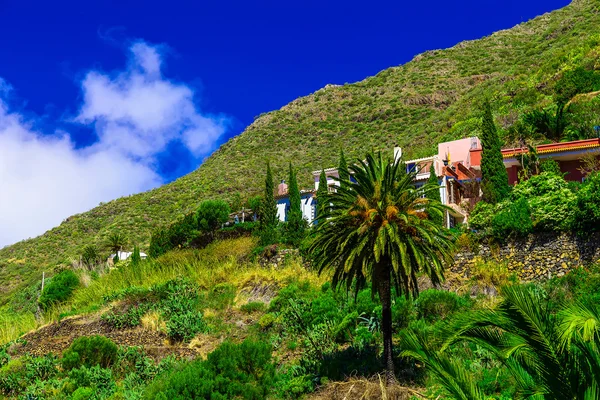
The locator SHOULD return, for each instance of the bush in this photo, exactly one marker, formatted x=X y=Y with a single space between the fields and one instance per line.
x=244 y=371
x=551 y=201
x=267 y=321
x=90 y=351
x=99 y=379
x=13 y=377
x=481 y=216
x=212 y=214
x=587 y=214
x=253 y=306
x=59 y=289
x=514 y=219
x=128 y=319
x=433 y=305
x=184 y=326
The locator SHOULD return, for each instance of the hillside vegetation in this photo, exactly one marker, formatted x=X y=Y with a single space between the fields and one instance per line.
x=428 y=100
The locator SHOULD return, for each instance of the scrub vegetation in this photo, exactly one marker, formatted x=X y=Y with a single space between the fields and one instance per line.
x=360 y=305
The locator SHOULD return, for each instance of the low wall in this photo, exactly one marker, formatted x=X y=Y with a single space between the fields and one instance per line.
x=538 y=256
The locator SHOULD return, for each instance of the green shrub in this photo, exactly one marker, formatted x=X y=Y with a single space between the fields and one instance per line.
x=13 y=378
x=184 y=326
x=128 y=319
x=434 y=305
x=587 y=214
x=481 y=216
x=267 y=321
x=243 y=371
x=99 y=379
x=90 y=351
x=514 y=219
x=403 y=312
x=253 y=306
x=212 y=214
x=551 y=201
x=82 y=393
x=59 y=289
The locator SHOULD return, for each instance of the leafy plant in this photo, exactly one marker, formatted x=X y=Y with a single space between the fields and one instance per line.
x=514 y=219
x=90 y=351
x=59 y=289
x=243 y=370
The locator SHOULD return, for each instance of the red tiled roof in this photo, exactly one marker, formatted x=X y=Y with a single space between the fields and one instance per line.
x=554 y=147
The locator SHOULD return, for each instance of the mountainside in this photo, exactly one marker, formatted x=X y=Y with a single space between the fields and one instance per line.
x=430 y=99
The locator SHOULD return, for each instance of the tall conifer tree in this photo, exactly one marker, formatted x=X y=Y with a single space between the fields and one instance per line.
x=295 y=223
x=433 y=193
x=268 y=211
x=494 y=178
x=322 y=192
x=343 y=173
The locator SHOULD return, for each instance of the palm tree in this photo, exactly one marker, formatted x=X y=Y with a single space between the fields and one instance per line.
x=115 y=243
x=550 y=355
x=379 y=230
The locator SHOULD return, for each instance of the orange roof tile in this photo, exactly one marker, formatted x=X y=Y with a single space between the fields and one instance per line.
x=554 y=147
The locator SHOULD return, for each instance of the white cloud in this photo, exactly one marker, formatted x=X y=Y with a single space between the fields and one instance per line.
x=136 y=113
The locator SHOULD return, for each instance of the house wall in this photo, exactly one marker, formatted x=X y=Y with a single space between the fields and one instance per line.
x=513 y=174
x=331 y=179
x=571 y=168
x=459 y=150
x=307 y=205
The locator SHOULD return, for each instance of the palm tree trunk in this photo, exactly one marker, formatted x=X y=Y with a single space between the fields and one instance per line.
x=385 y=296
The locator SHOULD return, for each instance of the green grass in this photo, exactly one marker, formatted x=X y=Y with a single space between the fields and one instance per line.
x=430 y=99
x=222 y=270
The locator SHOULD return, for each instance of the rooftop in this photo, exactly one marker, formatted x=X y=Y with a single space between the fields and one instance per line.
x=554 y=147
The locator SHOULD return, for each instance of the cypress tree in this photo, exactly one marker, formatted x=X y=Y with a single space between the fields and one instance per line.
x=295 y=223
x=433 y=193
x=322 y=192
x=343 y=173
x=268 y=211
x=494 y=178
x=136 y=258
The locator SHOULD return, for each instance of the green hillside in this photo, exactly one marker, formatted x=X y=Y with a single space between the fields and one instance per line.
x=430 y=99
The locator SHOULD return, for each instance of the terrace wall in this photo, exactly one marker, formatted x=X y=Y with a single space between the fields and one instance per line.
x=536 y=257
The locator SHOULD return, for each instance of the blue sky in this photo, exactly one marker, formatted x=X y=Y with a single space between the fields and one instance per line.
x=84 y=84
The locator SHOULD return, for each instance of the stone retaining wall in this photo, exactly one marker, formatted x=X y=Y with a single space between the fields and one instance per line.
x=539 y=256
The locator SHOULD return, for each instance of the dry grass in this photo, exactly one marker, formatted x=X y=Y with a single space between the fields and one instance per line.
x=491 y=272
x=153 y=321
x=365 y=389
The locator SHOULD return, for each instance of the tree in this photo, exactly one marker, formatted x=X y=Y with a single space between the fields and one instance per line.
x=212 y=214
x=550 y=355
x=236 y=202
x=494 y=178
x=322 y=193
x=115 y=243
x=90 y=256
x=295 y=224
x=136 y=258
x=434 y=194
x=551 y=124
x=378 y=230
x=343 y=173
x=253 y=204
x=268 y=211
x=590 y=163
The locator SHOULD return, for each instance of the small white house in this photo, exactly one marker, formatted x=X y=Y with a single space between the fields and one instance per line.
x=124 y=255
